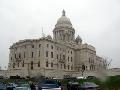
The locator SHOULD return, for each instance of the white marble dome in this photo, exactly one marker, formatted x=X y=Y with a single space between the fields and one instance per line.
x=63 y=21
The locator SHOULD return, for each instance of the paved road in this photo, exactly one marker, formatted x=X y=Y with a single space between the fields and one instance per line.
x=64 y=87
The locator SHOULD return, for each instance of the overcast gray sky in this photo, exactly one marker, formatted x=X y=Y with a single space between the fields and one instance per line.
x=96 y=21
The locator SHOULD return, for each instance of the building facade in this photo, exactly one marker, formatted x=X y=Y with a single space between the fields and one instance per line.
x=54 y=57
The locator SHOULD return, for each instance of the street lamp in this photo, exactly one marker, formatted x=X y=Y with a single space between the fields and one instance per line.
x=83 y=69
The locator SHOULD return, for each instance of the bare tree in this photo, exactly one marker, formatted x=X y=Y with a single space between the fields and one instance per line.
x=107 y=62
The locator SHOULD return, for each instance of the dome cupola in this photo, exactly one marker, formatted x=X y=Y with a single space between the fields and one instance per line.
x=63 y=21
x=78 y=40
x=63 y=30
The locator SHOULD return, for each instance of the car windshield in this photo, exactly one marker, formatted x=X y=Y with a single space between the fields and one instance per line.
x=49 y=82
x=89 y=84
x=49 y=86
x=24 y=85
x=21 y=88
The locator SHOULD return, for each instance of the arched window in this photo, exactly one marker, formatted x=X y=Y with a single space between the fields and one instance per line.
x=19 y=55
x=13 y=65
x=51 y=54
x=39 y=45
x=83 y=67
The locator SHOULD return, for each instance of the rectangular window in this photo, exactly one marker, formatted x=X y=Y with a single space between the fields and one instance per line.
x=39 y=53
x=61 y=66
x=47 y=45
x=68 y=59
x=64 y=66
x=39 y=64
x=51 y=64
x=57 y=56
x=60 y=56
x=18 y=64
x=46 y=53
x=63 y=57
x=31 y=65
x=39 y=45
x=15 y=56
x=24 y=54
x=32 y=54
x=68 y=51
x=51 y=54
x=47 y=64
x=71 y=52
x=13 y=65
x=51 y=46
x=71 y=59
x=23 y=64
x=32 y=46
x=68 y=67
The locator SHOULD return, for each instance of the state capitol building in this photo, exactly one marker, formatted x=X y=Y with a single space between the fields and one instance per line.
x=56 y=56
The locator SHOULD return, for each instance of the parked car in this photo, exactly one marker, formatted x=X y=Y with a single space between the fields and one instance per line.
x=81 y=77
x=11 y=86
x=91 y=77
x=72 y=85
x=2 y=86
x=23 y=87
x=89 y=86
x=49 y=85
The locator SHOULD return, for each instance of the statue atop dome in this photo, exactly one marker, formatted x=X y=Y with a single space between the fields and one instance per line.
x=63 y=12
